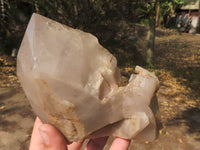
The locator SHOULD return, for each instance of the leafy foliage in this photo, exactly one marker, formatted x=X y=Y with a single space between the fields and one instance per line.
x=102 y=18
x=167 y=9
x=89 y=15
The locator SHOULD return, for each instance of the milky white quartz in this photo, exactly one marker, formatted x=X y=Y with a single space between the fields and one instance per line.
x=72 y=82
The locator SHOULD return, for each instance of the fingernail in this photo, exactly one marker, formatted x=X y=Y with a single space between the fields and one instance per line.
x=44 y=136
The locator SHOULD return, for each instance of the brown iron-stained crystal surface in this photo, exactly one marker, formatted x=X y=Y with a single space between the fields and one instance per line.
x=72 y=82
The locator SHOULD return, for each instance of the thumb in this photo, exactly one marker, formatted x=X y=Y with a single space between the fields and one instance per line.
x=52 y=138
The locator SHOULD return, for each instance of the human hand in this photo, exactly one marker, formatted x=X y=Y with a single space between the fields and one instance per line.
x=47 y=137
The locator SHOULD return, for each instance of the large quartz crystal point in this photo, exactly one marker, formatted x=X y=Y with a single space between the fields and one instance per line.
x=72 y=82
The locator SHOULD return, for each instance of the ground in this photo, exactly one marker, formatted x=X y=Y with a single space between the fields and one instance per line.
x=177 y=65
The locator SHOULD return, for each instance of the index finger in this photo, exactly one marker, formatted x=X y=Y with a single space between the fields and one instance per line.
x=120 y=144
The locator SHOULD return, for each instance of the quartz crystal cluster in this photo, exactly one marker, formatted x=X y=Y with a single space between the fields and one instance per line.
x=72 y=82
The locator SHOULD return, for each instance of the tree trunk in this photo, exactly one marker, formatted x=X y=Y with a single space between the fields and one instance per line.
x=151 y=37
x=157 y=13
x=150 y=41
x=199 y=19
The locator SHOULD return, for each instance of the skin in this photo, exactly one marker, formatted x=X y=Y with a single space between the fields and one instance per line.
x=47 y=137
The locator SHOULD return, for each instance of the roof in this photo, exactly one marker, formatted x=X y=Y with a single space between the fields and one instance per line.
x=191 y=6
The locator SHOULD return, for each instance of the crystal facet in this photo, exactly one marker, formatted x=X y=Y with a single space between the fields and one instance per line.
x=72 y=82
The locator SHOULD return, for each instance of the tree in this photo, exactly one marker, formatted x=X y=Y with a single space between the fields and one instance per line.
x=149 y=12
x=168 y=8
x=155 y=11
x=95 y=16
